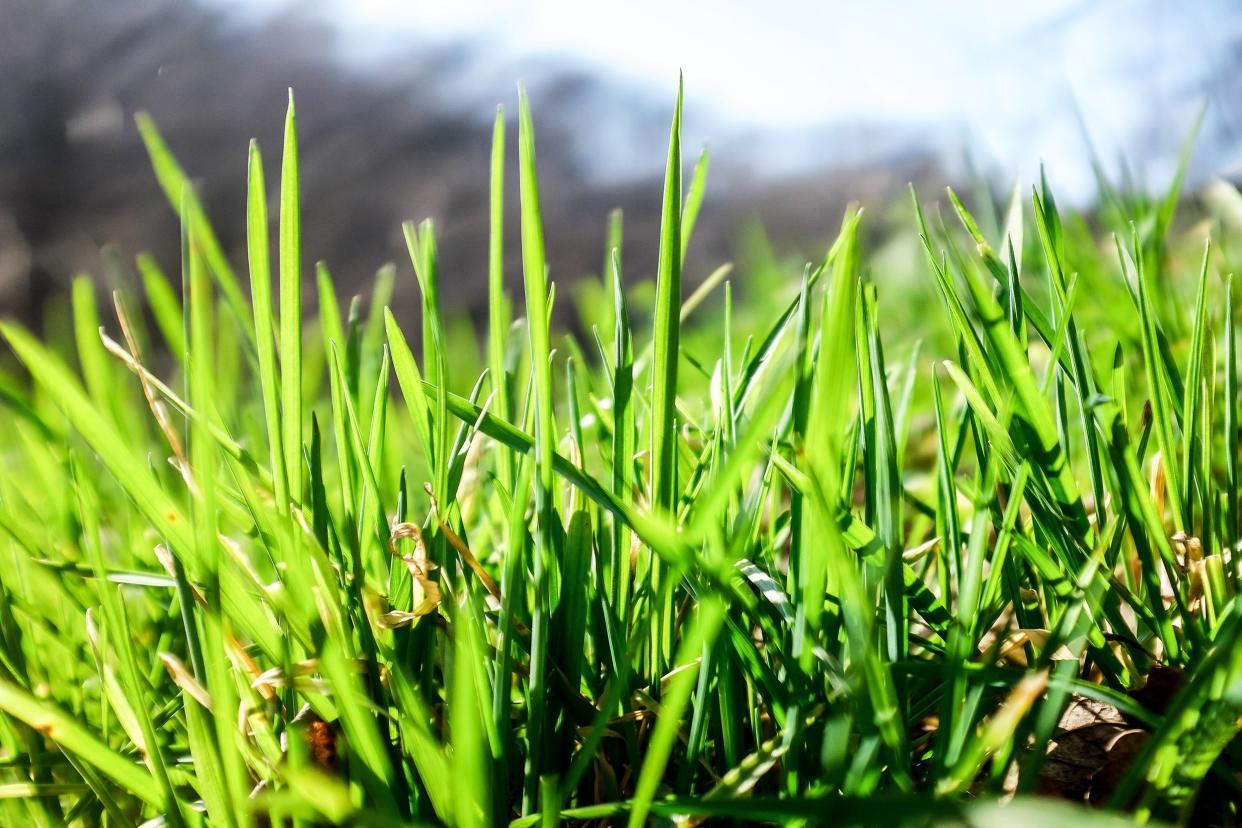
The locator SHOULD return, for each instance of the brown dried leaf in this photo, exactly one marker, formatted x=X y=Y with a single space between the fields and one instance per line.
x=426 y=596
x=1122 y=752
x=183 y=678
x=1079 y=749
x=1075 y=757
x=1013 y=648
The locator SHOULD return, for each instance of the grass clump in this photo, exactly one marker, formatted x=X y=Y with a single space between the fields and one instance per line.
x=710 y=563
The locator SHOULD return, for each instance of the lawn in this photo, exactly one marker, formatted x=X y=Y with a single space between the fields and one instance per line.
x=937 y=530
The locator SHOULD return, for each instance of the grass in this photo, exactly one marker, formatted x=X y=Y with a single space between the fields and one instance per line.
x=823 y=554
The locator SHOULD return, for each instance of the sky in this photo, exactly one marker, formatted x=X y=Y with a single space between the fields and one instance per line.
x=1006 y=79
x=822 y=61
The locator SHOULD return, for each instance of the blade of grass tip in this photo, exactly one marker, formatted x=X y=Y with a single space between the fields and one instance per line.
x=667 y=330
x=535 y=278
x=421 y=243
x=1173 y=197
x=498 y=302
x=1017 y=317
x=1014 y=226
x=373 y=527
x=331 y=326
x=176 y=186
x=265 y=341
x=613 y=240
x=96 y=367
x=694 y=200
x=1111 y=200
x=378 y=423
x=373 y=328
x=165 y=304
x=291 y=306
x=716 y=278
x=318 y=491
x=349 y=473
x=411 y=381
x=904 y=409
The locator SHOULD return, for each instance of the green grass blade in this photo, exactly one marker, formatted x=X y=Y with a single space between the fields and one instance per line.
x=265 y=339
x=498 y=301
x=291 y=307
x=663 y=428
x=165 y=305
x=68 y=733
x=535 y=277
x=705 y=627
x=694 y=201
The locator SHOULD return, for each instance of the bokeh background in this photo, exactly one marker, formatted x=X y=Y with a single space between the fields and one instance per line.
x=807 y=106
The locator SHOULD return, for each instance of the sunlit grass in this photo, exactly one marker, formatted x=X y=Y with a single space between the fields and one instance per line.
x=734 y=553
